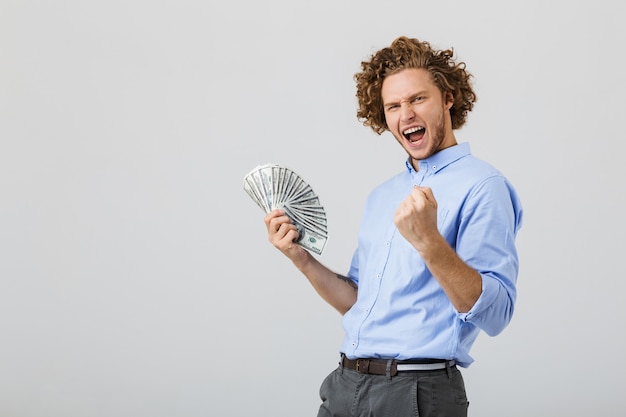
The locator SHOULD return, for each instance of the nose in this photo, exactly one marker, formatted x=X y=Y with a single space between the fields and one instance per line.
x=406 y=112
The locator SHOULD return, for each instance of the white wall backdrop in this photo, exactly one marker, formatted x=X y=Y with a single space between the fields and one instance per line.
x=135 y=274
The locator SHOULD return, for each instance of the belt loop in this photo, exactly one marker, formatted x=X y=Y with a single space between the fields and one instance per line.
x=388 y=369
x=448 y=369
x=341 y=362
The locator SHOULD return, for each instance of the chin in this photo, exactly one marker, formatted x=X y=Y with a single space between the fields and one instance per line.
x=419 y=154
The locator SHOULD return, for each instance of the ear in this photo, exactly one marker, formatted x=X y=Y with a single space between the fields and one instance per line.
x=448 y=99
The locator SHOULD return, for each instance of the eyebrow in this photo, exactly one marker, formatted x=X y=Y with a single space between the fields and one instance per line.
x=411 y=97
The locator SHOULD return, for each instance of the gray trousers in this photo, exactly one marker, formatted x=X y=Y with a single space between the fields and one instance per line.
x=440 y=393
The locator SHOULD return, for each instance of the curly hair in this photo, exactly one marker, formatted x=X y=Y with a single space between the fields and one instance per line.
x=448 y=75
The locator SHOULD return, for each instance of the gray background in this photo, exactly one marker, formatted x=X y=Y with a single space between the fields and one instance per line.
x=135 y=274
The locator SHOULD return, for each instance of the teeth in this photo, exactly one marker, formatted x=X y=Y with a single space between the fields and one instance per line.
x=412 y=130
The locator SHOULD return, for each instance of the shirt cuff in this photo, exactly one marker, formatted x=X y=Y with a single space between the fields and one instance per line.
x=486 y=299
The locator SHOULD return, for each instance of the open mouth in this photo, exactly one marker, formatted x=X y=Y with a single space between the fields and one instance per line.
x=414 y=134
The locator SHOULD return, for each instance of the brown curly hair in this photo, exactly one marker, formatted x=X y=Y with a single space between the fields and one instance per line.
x=448 y=75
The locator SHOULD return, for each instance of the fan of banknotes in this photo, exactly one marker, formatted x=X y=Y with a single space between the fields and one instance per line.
x=273 y=186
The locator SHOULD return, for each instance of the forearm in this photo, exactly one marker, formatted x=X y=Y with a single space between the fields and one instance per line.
x=337 y=290
x=461 y=283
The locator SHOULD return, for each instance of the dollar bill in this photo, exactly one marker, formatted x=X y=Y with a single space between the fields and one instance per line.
x=273 y=186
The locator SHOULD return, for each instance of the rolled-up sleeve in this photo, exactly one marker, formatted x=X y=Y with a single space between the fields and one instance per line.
x=487 y=244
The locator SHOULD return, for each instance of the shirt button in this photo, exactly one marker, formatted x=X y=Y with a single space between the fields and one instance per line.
x=387 y=244
x=378 y=276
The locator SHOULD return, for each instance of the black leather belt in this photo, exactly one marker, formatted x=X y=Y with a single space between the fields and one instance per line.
x=392 y=366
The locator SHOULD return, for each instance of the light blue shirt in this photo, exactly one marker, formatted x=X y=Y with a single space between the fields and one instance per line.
x=401 y=311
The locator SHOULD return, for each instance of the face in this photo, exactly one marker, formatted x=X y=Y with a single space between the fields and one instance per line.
x=417 y=113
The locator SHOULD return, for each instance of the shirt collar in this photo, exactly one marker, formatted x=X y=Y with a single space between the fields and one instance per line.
x=441 y=159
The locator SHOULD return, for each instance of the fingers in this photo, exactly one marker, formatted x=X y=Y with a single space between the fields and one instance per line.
x=424 y=194
x=281 y=231
x=275 y=219
x=272 y=215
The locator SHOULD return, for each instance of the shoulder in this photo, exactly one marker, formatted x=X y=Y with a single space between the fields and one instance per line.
x=471 y=172
x=397 y=182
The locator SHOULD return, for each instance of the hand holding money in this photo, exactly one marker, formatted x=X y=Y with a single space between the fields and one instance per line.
x=283 y=234
x=272 y=186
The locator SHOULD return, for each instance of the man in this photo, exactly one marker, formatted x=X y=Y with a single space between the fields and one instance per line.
x=436 y=260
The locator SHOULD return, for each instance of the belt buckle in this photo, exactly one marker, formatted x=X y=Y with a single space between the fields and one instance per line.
x=365 y=363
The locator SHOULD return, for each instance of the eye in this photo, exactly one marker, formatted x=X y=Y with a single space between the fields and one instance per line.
x=418 y=99
x=392 y=107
